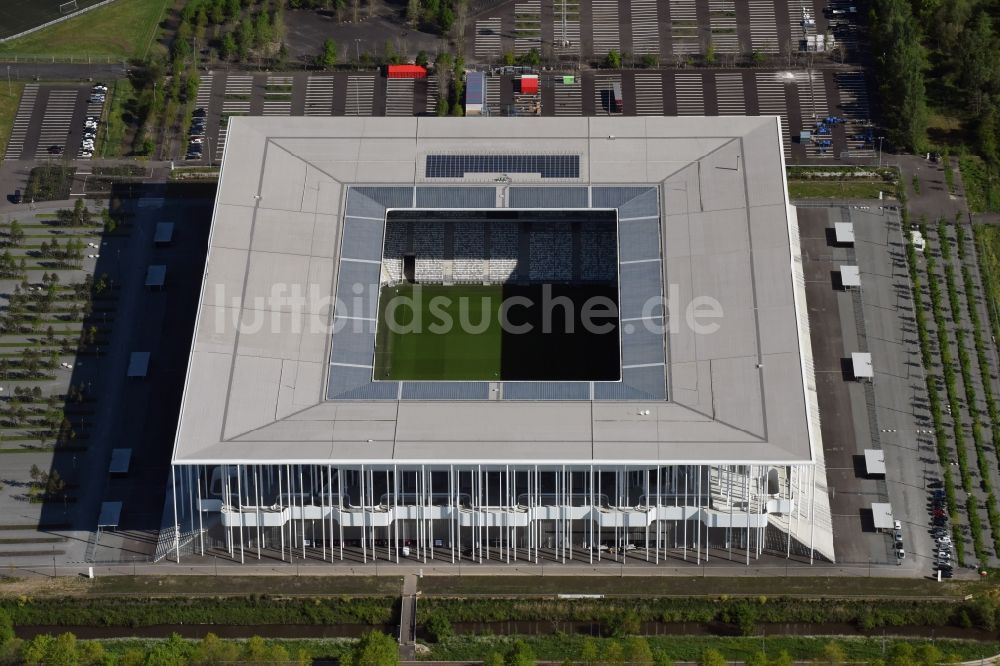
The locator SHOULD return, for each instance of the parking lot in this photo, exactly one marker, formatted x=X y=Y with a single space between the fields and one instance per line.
x=669 y=30
x=49 y=123
x=802 y=99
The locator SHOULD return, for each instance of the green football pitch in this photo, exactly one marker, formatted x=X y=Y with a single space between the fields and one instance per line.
x=454 y=333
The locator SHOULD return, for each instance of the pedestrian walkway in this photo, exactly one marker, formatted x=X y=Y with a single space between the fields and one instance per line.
x=430 y=105
x=22 y=120
x=566 y=31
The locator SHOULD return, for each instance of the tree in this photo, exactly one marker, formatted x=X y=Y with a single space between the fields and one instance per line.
x=613 y=60
x=928 y=654
x=833 y=654
x=758 y=57
x=213 y=650
x=978 y=70
x=783 y=659
x=588 y=652
x=437 y=627
x=375 y=649
x=227 y=50
x=16 y=233
x=6 y=627
x=637 y=652
x=758 y=658
x=613 y=655
x=422 y=59
x=710 y=54
x=900 y=63
x=328 y=56
x=712 y=657
x=442 y=106
x=519 y=654
x=625 y=623
x=413 y=12
x=901 y=654
x=493 y=659
x=661 y=658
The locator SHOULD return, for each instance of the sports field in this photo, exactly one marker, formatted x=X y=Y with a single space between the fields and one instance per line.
x=454 y=333
x=20 y=15
x=121 y=30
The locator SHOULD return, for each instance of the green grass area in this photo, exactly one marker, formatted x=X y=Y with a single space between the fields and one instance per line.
x=9 y=99
x=509 y=332
x=982 y=185
x=837 y=189
x=112 y=140
x=988 y=245
x=414 y=346
x=124 y=29
x=698 y=586
x=558 y=648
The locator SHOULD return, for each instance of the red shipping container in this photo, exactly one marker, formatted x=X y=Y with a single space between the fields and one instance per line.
x=406 y=72
x=529 y=85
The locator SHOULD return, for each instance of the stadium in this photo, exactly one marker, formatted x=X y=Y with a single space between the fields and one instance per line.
x=516 y=340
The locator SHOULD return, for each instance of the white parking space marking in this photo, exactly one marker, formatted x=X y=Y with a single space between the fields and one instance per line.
x=799 y=12
x=645 y=27
x=722 y=20
x=566 y=28
x=430 y=106
x=399 y=97
x=853 y=93
x=771 y=102
x=493 y=95
x=604 y=86
x=649 y=94
x=278 y=95
x=488 y=38
x=360 y=96
x=319 y=96
x=605 y=27
x=730 y=96
x=568 y=100
x=690 y=95
x=814 y=109
x=684 y=27
x=763 y=26
x=527 y=26
x=204 y=97
x=56 y=124
x=22 y=120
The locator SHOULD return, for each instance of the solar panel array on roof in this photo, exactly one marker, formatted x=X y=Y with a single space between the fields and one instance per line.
x=548 y=166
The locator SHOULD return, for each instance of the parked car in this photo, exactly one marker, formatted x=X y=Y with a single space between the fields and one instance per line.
x=17 y=198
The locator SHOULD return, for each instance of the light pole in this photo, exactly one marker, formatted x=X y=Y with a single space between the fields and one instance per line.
x=9 y=91
x=880 y=151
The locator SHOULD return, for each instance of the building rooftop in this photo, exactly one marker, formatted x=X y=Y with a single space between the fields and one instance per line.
x=710 y=226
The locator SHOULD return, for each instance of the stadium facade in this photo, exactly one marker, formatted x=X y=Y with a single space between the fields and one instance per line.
x=705 y=444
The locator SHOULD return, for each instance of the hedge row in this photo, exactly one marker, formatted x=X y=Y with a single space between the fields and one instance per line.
x=864 y=613
x=139 y=612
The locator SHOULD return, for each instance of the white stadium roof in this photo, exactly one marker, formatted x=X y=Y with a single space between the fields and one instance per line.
x=709 y=193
